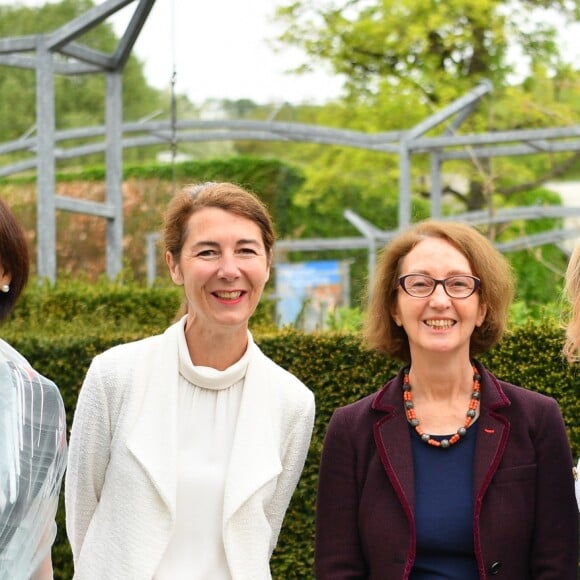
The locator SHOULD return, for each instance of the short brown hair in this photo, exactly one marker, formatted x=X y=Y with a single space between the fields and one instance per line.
x=226 y=196
x=14 y=258
x=496 y=290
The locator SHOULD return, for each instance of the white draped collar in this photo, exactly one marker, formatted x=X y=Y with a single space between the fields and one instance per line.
x=207 y=377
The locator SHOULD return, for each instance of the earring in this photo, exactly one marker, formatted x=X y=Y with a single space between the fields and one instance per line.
x=5 y=288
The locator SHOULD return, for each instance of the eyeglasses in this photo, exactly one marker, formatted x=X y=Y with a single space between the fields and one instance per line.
x=422 y=286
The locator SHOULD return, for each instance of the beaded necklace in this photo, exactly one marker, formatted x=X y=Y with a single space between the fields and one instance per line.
x=461 y=432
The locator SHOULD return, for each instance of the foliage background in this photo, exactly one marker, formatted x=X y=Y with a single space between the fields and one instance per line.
x=81 y=239
x=403 y=62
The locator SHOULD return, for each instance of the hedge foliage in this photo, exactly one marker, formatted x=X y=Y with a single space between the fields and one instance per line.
x=274 y=181
x=60 y=329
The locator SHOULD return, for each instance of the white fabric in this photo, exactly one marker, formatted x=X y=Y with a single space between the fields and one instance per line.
x=121 y=481
x=209 y=402
x=577 y=484
x=32 y=464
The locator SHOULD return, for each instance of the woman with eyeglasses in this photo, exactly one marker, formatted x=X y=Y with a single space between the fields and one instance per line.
x=447 y=472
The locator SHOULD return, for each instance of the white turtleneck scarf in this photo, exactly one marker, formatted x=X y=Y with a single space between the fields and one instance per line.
x=209 y=402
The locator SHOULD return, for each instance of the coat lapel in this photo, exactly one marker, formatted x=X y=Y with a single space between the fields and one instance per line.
x=492 y=434
x=393 y=443
x=255 y=458
x=153 y=437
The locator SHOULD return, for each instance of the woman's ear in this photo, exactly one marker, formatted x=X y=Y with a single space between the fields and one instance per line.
x=395 y=316
x=5 y=278
x=270 y=259
x=174 y=269
x=481 y=315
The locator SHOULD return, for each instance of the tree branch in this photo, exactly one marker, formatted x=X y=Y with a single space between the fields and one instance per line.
x=558 y=170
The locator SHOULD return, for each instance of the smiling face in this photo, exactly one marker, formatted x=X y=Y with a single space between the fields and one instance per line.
x=223 y=267
x=437 y=323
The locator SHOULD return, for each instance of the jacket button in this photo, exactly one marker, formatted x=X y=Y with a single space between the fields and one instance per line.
x=495 y=568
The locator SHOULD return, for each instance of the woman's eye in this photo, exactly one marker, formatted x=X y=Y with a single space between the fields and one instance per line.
x=206 y=253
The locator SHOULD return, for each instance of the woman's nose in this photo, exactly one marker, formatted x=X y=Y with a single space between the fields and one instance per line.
x=439 y=295
x=228 y=267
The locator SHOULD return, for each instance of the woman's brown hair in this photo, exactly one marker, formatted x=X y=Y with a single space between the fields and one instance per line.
x=225 y=196
x=496 y=290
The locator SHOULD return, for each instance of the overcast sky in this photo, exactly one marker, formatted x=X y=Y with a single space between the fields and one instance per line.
x=219 y=49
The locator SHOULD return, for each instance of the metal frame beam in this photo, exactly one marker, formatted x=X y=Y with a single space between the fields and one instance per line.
x=60 y=52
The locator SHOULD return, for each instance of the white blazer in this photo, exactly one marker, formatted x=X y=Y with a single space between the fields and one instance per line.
x=577 y=483
x=120 y=486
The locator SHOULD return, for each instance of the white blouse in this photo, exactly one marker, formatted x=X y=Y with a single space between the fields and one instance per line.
x=209 y=402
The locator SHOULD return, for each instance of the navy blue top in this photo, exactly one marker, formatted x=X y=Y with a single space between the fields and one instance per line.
x=444 y=509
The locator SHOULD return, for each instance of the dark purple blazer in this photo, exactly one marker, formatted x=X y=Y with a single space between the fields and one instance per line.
x=525 y=512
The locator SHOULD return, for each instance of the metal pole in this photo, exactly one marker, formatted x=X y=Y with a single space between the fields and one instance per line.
x=404 y=185
x=151 y=254
x=436 y=186
x=114 y=164
x=46 y=180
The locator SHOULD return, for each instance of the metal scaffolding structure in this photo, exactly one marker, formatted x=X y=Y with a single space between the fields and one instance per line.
x=61 y=52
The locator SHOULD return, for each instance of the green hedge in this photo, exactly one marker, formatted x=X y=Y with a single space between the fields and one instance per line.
x=335 y=366
x=273 y=180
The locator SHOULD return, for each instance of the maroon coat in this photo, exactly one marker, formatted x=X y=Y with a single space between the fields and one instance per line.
x=525 y=512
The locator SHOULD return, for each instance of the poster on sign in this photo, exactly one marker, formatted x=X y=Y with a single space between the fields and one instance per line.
x=307 y=292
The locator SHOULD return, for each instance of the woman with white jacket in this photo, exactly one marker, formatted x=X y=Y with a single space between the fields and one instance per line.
x=572 y=344
x=186 y=447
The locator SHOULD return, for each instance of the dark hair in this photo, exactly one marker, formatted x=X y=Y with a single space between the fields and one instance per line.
x=496 y=290
x=14 y=258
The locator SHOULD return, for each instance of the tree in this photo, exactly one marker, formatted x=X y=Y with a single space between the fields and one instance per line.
x=79 y=100
x=431 y=50
x=405 y=60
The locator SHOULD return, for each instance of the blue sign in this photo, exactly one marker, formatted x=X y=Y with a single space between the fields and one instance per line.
x=308 y=288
